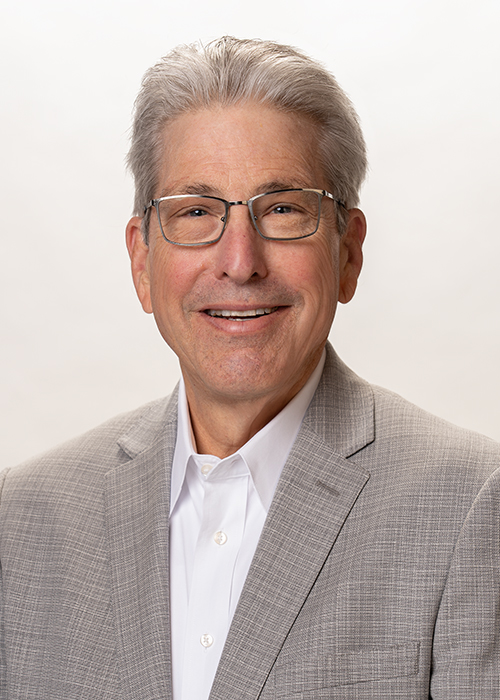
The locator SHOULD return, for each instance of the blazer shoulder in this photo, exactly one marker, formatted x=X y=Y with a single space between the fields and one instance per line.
x=420 y=436
x=98 y=450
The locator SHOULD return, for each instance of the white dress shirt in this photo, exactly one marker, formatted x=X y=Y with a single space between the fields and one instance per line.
x=217 y=512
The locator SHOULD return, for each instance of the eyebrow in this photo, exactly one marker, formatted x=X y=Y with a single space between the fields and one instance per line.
x=208 y=190
x=275 y=185
x=195 y=188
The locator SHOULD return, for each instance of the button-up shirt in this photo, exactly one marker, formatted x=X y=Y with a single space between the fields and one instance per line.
x=217 y=512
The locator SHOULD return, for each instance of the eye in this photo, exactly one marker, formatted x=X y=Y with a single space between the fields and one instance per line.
x=196 y=212
x=192 y=212
x=281 y=204
x=284 y=209
x=281 y=209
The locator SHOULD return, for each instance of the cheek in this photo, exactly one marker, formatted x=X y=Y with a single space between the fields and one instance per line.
x=317 y=272
x=172 y=277
x=324 y=276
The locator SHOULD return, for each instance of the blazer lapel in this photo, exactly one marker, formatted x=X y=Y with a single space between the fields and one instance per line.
x=137 y=511
x=316 y=492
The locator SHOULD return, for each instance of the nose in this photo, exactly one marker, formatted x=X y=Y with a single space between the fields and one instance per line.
x=241 y=252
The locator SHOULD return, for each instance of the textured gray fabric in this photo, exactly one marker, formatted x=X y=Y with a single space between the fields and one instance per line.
x=376 y=577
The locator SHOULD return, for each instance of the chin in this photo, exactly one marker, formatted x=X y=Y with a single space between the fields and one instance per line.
x=243 y=374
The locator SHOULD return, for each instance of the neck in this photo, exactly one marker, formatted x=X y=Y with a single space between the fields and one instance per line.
x=221 y=428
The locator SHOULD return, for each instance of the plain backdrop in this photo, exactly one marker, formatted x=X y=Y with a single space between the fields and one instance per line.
x=76 y=347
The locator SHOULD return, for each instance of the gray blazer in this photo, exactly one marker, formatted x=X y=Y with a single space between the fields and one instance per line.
x=376 y=577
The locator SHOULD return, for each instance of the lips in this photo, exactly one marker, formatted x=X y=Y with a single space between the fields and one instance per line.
x=241 y=315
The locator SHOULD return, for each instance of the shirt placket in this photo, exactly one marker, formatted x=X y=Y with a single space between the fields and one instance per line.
x=217 y=547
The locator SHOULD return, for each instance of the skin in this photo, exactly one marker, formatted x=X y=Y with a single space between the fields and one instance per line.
x=240 y=374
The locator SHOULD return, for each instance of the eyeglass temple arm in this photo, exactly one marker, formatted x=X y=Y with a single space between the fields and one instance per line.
x=330 y=196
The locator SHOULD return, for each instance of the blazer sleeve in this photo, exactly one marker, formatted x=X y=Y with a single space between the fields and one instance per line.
x=466 y=650
x=3 y=666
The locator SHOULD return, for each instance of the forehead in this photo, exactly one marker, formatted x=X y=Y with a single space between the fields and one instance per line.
x=243 y=147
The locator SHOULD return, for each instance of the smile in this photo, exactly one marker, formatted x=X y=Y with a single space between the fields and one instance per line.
x=241 y=315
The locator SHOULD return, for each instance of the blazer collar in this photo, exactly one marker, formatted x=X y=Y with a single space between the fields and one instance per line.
x=342 y=411
x=150 y=426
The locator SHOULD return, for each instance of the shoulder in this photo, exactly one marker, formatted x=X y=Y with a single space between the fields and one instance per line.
x=413 y=445
x=399 y=420
x=403 y=447
x=87 y=458
x=378 y=427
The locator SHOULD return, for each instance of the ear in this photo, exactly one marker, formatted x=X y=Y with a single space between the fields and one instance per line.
x=351 y=255
x=139 y=258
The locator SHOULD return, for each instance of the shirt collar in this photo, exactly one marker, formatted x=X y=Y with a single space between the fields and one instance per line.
x=265 y=453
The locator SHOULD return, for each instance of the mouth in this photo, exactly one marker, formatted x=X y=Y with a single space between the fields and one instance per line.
x=241 y=315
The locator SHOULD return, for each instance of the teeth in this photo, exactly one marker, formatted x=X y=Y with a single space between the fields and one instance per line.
x=249 y=313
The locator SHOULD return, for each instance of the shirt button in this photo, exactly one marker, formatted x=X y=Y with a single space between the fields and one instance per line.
x=220 y=537
x=206 y=640
x=206 y=469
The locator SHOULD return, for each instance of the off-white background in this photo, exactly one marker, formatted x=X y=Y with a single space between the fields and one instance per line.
x=76 y=348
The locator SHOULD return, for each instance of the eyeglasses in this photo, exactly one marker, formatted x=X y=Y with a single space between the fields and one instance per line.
x=284 y=215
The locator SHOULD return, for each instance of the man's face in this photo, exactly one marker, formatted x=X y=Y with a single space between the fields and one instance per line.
x=235 y=153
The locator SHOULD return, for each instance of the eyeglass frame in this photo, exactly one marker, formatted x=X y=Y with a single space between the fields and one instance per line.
x=249 y=203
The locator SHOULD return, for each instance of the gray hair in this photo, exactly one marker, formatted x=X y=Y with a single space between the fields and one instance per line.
x=229 y=71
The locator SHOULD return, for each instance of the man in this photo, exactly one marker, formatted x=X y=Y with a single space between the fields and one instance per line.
x=277 y=528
